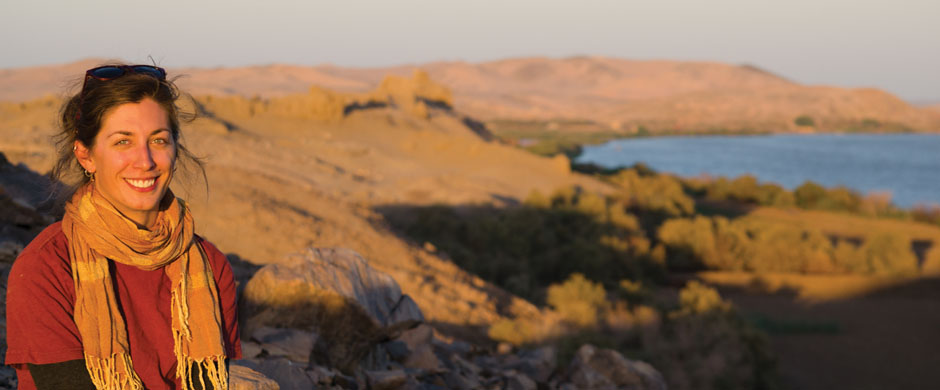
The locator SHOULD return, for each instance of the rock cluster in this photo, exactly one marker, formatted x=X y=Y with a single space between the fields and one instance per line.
x=22 y=191
x=325 y=319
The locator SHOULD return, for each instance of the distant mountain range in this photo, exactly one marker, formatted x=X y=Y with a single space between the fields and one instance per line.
x=618 y=95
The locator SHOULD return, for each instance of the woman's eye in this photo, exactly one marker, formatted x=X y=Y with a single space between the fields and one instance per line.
x=123 y=142
x=160 y=141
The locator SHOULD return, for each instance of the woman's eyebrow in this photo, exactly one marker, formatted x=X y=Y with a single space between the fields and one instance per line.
x=128 y=133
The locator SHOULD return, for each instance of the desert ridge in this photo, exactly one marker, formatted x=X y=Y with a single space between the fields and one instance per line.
x=617 y=95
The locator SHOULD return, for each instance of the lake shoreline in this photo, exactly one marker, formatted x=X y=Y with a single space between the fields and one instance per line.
x=903 y=164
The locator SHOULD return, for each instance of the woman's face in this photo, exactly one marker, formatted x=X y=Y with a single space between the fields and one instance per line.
x=132 y=158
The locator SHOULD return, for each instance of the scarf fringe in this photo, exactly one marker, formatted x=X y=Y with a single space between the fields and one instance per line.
x=192 y=371
x=113 y=373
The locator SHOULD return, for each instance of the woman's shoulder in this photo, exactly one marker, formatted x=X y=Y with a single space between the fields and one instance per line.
x=211 y=250
x=217 y=260
x=42 y=266
x=49 y=247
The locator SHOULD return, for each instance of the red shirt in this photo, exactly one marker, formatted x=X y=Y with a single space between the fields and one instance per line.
x=41 y=298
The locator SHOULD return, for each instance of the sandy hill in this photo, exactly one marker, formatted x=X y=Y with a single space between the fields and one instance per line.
x=620 y=95
x=280 y=180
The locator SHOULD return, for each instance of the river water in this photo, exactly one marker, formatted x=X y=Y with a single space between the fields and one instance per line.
x=906 y=165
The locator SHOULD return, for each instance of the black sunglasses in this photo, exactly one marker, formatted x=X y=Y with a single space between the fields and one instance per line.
x=111 y=72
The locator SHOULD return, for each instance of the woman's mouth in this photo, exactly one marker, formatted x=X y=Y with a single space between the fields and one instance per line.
x=142 y=185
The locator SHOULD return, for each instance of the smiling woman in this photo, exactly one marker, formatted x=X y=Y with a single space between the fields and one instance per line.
x=121 y=294
x=132 y=159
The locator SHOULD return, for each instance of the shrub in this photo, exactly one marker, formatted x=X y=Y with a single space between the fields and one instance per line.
x=744 y=188
x=809 y=195
x=578 y=300
x=770 y=194
x=652 y=193
x=804 y=120
x=528 y=330
x=888 y=253
x=712 y=243
x=705 y=344
x=697 y=298
x=784 y=248
x=847 y=257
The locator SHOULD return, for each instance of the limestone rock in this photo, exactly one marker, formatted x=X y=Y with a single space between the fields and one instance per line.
x=606 y=369
x=250 y=349
x=288 y=375
x=334 y=292
x=420 y=349
x=293 y=344
x=244 y=378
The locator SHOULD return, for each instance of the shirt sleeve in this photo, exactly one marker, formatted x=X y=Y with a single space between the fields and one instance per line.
x=40 y=301
x=228 y=299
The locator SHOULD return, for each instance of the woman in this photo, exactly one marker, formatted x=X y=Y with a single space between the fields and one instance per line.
x=121 y=294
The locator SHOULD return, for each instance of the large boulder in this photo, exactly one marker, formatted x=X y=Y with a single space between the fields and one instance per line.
x=244 y=378
x=334 y=293
x=293 y=344
x=606 y=369
x=286 y=374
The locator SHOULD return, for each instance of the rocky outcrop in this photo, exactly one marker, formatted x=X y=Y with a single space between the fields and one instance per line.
x=23 y=193
x=337 y=295
x=326 y=319
x=606 y=369
x=244 y=378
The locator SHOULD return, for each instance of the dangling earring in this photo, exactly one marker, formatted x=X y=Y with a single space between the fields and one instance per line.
x=89 y=175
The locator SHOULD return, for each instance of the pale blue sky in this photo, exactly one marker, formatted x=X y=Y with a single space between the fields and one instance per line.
x=888 y=44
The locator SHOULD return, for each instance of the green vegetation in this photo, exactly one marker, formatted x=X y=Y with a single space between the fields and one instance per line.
x=596 y=263
x=698 y=341
x=578 y=300
x=541 y=242
x=716 y=243
x=804 y=120
x=706 y=344
x=747 y=190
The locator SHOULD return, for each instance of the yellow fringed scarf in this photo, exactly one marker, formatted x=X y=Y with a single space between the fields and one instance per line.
x=96 y=232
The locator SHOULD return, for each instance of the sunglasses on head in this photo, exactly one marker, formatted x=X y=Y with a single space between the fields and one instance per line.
x=111 y=72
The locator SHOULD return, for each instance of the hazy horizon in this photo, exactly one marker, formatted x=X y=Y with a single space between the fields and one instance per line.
x=887 y=45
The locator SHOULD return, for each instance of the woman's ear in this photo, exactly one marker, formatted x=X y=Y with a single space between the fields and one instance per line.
x=84 y=156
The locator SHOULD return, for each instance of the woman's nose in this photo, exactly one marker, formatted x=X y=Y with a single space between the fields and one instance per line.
x=144 y=158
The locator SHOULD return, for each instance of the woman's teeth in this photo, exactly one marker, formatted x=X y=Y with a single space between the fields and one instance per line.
x=141 y=183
